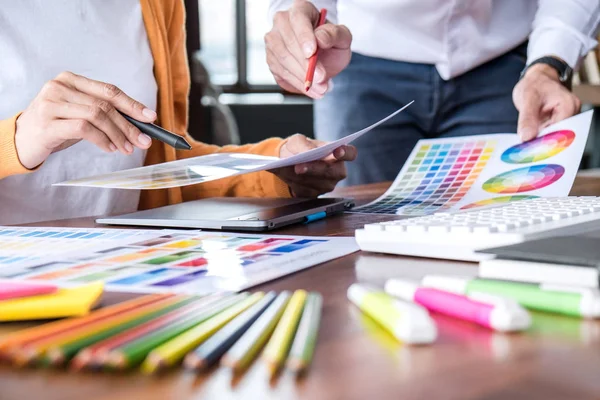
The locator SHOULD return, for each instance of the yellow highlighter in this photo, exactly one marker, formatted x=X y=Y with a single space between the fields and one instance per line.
x=66 y=302
x=279 y=344
x=408 y=322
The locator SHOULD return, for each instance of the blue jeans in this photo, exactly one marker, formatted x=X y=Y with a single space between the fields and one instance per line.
x=477 y=102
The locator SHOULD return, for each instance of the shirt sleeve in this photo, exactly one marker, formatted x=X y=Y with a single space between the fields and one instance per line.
x=282 y=5
x=565 y=29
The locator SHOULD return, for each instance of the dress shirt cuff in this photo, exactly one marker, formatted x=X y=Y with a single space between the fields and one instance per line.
x=562 y=43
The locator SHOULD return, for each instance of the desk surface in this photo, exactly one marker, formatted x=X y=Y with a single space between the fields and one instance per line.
x=558 y=359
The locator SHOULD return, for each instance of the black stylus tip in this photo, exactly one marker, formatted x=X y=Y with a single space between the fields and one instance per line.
x=182 y=144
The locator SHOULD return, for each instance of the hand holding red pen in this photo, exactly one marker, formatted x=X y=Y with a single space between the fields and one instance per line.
x=294 y=38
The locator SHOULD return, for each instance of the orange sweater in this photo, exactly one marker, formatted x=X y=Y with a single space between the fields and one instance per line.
x=164 y=21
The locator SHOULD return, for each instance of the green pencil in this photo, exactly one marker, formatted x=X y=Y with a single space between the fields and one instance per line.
x=209 y=352
x=133 y=353
x=244 y=350
x=304 y=343
x=58 y=355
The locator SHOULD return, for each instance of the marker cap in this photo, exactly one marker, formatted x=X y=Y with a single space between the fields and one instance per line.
x=454 y=284
x=400 y=288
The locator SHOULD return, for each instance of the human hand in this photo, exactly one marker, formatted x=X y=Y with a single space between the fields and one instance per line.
x=542 y=100
x=317 y=177
x=70 y=108
x=293 y=39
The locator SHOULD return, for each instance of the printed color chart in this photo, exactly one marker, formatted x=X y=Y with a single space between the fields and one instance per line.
x=466 y=172
x=23 y=245
x=437 y=177
x=175 y=261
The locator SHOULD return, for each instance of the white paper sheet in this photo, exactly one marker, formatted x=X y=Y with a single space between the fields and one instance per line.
x=211 y=167
x=472 y=171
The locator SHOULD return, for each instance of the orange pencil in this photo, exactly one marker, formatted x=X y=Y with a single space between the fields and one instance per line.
x=95 y=353
x=26 y=336
x=312 y=61
x=24 y=354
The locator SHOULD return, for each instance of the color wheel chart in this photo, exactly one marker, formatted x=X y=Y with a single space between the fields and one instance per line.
x=436 y=177
x=539 y=149
x=525 y=179
x=497 y=200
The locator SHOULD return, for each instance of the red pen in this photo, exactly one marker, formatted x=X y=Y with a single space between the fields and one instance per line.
x=312 y=61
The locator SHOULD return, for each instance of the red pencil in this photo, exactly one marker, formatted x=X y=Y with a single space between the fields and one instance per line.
x=312 y=61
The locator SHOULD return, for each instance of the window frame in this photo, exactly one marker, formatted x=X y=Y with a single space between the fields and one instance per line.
x=242 y=86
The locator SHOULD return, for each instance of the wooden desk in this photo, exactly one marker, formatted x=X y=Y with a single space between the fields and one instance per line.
x=558 y=359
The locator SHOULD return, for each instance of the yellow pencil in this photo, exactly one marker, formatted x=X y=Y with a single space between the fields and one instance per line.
x=279 y=344
x=174 y=350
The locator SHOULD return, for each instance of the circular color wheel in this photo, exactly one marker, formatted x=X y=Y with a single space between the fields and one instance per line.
x=540 y=148
x=497 y=200
x=524 y=179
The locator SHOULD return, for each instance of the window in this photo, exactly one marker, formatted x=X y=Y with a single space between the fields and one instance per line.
x=232 y=45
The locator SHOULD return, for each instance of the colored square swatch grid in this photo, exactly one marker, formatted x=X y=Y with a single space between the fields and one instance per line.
x=176 y=262
x=435 y=178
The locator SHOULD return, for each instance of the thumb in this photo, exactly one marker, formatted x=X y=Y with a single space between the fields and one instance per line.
x=529 y=119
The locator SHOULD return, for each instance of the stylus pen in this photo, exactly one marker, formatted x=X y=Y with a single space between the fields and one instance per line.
x=158 y=133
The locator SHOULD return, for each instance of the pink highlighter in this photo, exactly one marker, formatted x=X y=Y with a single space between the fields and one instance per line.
x=498 y=313
x=10 y=289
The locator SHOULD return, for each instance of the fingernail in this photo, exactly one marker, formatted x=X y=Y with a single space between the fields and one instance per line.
x=301 y=169
x=128 y=147
x=308 y=48
x=319 y=75
x=322 y=36
x=341 y=152
x=148 y=113
x=112 y=147
x=144 y=139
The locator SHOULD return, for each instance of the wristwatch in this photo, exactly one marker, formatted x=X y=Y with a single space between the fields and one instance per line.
x=565 y=72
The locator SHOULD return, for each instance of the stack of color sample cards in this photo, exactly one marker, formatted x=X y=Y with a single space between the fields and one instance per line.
x=159 y=331
x=25 y=300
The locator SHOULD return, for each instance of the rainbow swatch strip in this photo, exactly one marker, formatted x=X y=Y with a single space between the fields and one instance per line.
x=436 y=177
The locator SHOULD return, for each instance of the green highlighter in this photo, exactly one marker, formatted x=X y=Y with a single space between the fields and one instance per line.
x=580 y=302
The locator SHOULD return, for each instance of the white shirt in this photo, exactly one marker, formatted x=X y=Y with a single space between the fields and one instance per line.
x=459 y=35
x=102 y=39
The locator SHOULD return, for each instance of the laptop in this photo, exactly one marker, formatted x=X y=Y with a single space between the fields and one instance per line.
x=234 y=213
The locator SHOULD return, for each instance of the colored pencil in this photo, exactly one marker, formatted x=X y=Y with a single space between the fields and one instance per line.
x=312 y=61
x=35 y=350
x=208 y=353
x=244 y=350
x=59 y=353
x=174 y=350
x=95 y=354
x=279 y=344
x=20 y=339
x=132 y=353
x=304 y=343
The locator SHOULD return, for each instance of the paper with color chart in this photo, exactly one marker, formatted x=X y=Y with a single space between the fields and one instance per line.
x=474 y=171
x=211 y=167
x=173 y=261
